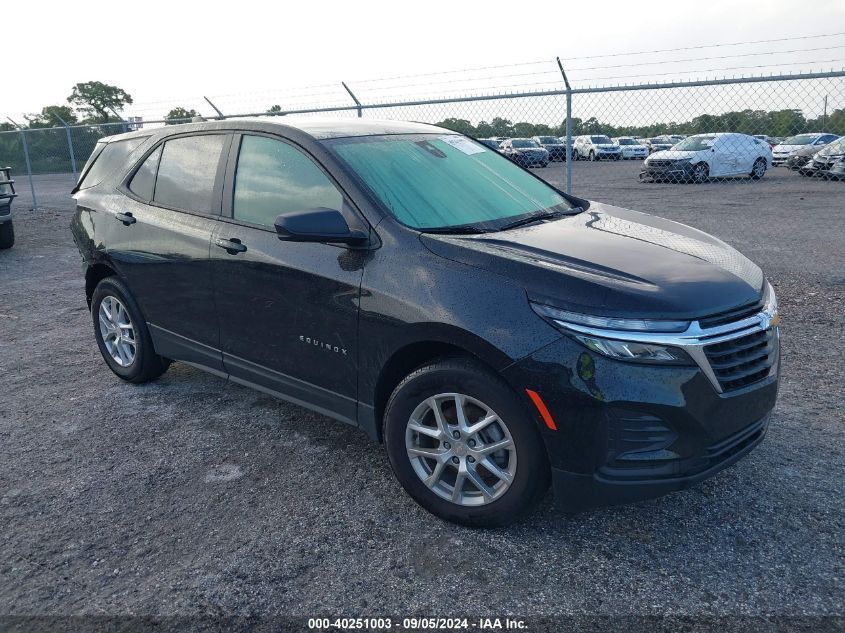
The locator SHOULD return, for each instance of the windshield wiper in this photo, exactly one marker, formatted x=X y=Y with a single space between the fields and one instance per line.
x=543 y=215
x=462 y=229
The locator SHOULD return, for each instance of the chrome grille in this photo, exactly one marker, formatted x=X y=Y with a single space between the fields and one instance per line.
x=742 y=361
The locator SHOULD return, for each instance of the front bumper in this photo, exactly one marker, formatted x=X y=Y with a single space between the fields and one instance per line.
x=780 y=159
x=675 y=172
x=629 y=431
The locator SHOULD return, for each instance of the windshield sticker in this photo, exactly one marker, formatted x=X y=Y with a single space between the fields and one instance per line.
x=463 y=144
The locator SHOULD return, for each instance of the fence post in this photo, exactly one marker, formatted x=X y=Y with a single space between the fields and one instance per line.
x=28 y=164
x=69 y=147
x=354 y=98
x=568 y=128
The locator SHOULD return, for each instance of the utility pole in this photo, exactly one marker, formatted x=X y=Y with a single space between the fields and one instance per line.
x=824 y=116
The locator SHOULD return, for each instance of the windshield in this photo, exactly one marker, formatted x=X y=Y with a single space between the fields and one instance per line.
x=695 y=143
x=659 y=141
x=548 y=140
x=489 y=142
x=627 y=141
x=523 y=142
x=801 y=139
x=601 y=140
x=428 y=181
x=835 y=147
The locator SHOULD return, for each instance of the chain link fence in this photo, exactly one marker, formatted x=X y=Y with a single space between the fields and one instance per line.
x=750 y=125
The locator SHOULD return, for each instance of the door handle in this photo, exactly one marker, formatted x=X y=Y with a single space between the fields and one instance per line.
x=126 y=218
x=232 y=246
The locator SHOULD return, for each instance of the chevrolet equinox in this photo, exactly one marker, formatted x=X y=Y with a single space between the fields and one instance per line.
x=495 y=333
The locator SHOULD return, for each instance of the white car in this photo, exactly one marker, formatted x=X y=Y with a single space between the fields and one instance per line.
x=705 y=156
x=782 y=151
x=596 y=147
x=631 y=147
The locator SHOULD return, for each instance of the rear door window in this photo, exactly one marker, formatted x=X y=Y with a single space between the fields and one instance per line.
x=105 y=161
x=187 y=173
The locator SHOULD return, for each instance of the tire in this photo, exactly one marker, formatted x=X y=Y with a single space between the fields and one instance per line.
x=135 y=361
x=7 y=235
x=484 y=395
x=700 y=173
x=592 y=155
x=545 y=164
x=758 y=170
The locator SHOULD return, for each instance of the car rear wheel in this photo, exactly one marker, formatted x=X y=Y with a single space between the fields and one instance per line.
x=758 y=170
x=7 y=235
x=122 y=334
x=463 y=446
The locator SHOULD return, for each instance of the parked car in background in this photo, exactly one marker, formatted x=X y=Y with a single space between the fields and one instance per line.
x=7 y=194
x=824 y=159
x=801 y=157
x=657 y=144
x=702 y=156
x=493 y=333
x=552 y=144
x=525 y=152
x=573 y=153
x=771 y=140
x=837 y=171
x=490 y=142
x=782 y=151
x=596 y=147
x=631 y=147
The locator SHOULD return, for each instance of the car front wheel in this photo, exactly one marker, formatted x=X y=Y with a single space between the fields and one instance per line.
x=122 y=334
x=759 y=169
x=701 y=172
x=463 y=446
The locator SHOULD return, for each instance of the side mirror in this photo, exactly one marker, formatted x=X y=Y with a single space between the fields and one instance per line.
x=317 y=225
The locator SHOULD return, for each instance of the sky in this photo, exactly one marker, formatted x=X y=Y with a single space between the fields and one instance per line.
x=254 y=54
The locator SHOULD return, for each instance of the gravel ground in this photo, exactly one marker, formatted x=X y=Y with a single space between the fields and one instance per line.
x=194 y=496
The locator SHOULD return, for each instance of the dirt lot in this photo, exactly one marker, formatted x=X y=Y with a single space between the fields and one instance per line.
x=191 y=495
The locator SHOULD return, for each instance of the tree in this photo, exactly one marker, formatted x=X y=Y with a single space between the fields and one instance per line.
x=275 y=108
x=179 y=115
x=52 y=116
x=462 y=126
x=96 y=99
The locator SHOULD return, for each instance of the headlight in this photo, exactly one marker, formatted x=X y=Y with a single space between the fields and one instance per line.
x=564 y=319
x=638 y=352
x=770 y=305
x=614 y=345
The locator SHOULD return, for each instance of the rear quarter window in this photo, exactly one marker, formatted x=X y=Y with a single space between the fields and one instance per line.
x=105 y=161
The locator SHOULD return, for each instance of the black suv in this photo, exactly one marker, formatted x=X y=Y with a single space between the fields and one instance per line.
x=495 y=333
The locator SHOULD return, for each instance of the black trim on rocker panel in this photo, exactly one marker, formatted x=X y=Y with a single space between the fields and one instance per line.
x=177 y=347
x=291 y=389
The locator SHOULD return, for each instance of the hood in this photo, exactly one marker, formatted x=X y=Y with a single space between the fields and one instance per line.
x=606 y=146
x=831 y=149
x=806 y=150
x=780 y=149
x=611 y=261
x=670 y=154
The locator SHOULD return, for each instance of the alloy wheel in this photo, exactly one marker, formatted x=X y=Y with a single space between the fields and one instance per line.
x=461 y=449
x=119 y=335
